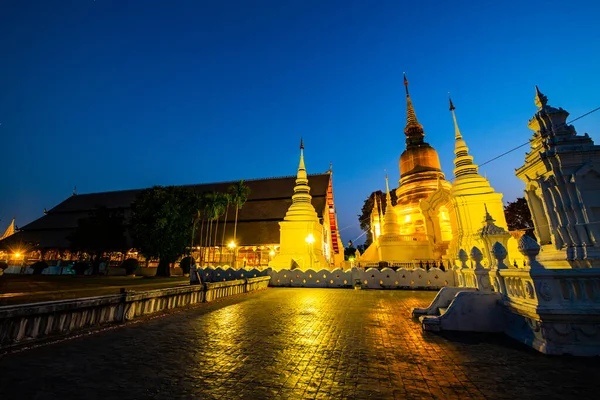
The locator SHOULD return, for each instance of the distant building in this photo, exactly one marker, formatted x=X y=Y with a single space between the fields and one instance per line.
x=257 y=229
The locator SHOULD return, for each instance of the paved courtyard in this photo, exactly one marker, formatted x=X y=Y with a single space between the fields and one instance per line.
x=293 y=343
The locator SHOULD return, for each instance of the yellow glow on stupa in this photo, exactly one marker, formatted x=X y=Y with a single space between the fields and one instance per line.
x=432 y=218
x=299 y=224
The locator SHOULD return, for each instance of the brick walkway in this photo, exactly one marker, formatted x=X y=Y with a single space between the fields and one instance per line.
x=293 y=343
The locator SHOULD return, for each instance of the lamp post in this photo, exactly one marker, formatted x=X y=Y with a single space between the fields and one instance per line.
x=231 y=247
x=310 y=239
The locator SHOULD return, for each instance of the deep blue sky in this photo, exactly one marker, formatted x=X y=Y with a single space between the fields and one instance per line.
x=108 y=95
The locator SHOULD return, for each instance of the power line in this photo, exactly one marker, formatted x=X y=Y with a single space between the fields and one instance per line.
x=521 y=145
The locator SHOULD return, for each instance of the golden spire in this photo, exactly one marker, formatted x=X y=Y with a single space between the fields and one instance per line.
x=390 y=222
x=301 y=208
x=375 y=209
x=463 y=162
x=388 y=198
x=301 y=167
x=413 y=130
x=540 y=99
x=457 y=134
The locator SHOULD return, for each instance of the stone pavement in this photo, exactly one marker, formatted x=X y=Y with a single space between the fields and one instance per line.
x=293 y=343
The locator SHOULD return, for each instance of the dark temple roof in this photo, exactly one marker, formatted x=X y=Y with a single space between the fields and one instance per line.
x=258 y=219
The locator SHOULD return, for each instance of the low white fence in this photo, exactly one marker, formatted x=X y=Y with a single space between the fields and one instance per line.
x=372 y=278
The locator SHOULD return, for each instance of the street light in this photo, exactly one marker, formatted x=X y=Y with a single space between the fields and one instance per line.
x=231 y=247
x=310 y=239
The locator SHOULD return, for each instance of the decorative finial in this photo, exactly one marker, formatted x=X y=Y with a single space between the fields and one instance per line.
x=457 y=134
x=375 y=205
x=301 y=144
x=45 y=211
x=387 y=186
x=330 y=166
x=488 y=218
x=540 y=99
x=74 y=190
x=413 y=130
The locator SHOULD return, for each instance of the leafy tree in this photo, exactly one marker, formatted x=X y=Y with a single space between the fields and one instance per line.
x=365 y=217
x=161 y=223
x=518 y=215
x=349 y=251
x=101 y=232
x=239 y=195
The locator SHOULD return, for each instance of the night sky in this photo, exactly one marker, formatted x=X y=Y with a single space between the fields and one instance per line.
x=109 y=95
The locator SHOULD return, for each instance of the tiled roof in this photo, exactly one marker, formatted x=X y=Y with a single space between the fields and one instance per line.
x=258 y=219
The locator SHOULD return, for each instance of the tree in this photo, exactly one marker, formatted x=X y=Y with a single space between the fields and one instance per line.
x=518 y=216
x=239 y=195
x=161 y=223
x=215 y=204
x=101 y=232
x=365 y=217
x=349 y=251
x=221 y=205
x=227 y=199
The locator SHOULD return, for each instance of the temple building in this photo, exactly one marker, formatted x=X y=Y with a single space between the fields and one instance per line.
x=270 y=202
x=562 y=179
x=433 y=219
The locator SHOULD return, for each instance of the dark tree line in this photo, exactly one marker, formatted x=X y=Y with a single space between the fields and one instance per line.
x=165 y=223
x=518 y=216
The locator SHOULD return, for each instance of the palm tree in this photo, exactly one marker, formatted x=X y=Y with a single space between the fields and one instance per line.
x=218 y=209
x=227 y=198
x=239 y=196
x=210 y=207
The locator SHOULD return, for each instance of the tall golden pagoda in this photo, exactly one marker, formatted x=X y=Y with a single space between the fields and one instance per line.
x=420 y=174
x=410 y=232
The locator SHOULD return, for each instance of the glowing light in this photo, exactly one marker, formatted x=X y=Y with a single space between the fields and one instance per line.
x=407 y=218
x=310 y=239
x=231 y=245
x=17 y=255
x=271 y=253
